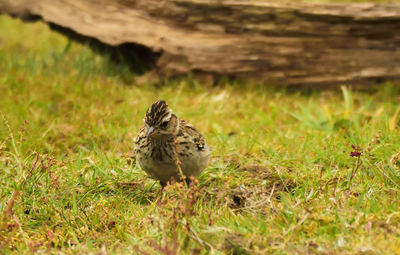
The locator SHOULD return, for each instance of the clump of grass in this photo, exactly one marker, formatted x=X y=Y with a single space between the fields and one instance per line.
x=282 y=178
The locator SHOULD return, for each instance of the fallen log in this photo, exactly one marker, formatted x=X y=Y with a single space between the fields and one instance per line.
x=287 y=43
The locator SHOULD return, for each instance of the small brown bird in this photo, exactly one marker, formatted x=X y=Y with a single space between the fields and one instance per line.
x=166 y=142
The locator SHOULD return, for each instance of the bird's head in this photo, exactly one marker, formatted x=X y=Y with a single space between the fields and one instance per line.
x=160 y=121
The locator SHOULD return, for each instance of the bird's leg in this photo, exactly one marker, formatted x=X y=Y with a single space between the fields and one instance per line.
x=188 y=180
x=160 y=192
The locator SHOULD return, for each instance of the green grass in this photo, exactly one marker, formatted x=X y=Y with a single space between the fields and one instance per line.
x=279 y=181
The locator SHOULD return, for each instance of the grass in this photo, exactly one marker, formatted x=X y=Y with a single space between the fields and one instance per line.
x=281 y=179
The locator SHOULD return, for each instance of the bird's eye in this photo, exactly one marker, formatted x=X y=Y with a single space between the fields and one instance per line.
x=164 y=124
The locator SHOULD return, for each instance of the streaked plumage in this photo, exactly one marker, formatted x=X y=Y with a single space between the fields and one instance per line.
x=157 y=140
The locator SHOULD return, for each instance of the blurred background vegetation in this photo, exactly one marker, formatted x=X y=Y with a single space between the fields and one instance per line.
x=281 y=179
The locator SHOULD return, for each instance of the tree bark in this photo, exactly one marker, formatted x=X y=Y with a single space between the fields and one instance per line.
x=289 y=44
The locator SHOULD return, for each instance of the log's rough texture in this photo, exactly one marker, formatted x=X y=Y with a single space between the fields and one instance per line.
x=294 y=44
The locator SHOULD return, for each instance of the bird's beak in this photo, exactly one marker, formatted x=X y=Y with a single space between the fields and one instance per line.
x=149 y=132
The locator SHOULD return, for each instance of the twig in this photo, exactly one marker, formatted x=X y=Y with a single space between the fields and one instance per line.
x=298 y=224
x=178 y=163
x=8 y=210
x=354 y=171
x=196 y=237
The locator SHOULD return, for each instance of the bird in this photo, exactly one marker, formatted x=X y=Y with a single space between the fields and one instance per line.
x=169 y=148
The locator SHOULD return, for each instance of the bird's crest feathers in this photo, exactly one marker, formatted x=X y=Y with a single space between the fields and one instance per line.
x=157 y=113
